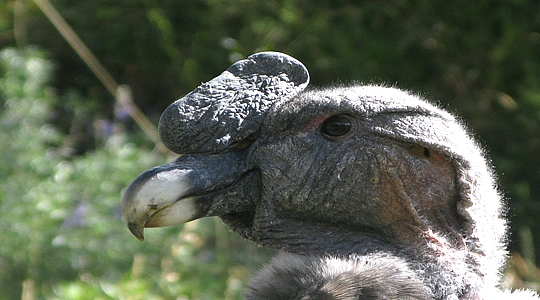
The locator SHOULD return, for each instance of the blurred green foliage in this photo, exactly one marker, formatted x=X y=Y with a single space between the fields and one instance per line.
x=66 y=150
x=61 y=227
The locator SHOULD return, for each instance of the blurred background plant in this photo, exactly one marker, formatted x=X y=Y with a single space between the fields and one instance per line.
x=68 y=148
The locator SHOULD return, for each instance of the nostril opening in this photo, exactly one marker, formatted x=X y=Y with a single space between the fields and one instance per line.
x=242 y=144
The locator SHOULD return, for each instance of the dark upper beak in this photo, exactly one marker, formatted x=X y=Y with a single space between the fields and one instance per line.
x=178 y=192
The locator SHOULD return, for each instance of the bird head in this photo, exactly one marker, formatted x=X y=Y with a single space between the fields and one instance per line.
x=340 y=170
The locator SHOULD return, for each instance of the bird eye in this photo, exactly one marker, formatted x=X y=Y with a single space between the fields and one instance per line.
x=336 y=126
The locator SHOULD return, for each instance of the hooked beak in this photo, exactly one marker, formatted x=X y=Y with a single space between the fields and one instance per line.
x=189 y=188
x=161 y=197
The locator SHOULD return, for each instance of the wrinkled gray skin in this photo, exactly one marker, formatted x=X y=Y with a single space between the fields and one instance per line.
x=364 y=177
x=230 y=107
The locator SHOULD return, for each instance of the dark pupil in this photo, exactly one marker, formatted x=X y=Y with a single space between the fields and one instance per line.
x=336 y=126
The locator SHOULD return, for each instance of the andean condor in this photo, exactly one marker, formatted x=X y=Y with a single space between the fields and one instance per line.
x=371 y=192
